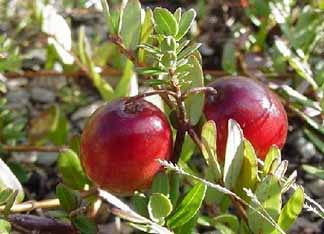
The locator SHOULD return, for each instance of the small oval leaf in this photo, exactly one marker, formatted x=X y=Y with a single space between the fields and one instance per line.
x=70 y=168
x=159 y=207
x=186 y=21
x=165 y=22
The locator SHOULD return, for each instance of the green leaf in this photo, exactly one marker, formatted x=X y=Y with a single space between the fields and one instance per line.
x=188 y=207
x=123 y=87
x=300 y=66
x=69 y=199
x=10 y=202
x=5 y=227
x=292 y=209
x=5 y=194
x=161 y=184
x=131 y=24
x=188 y=228
x=60 y=128
x=195 y=102
x=186 y=22
x=244 y=229
x=233 y=154
x=71 y=170
x=318 y=172
x=50 y=125
x=272 y=155
x=20 y=171
x=159 y=207
x=188 y=51
x=9 y=180
x=150 y=71
x=229 y=220
x=74 y=144
x=315 y=139
x=177 y=14
x=229 y=57
x=268 y=193
x=109 y=20
x=300 y=98
x=140 y=201
x=249 y=172
x=165 y=22
x=208 y=138
x=308 y=29
x=146 y=32
x=85 y=225
x=104 y=88
x=174 y=188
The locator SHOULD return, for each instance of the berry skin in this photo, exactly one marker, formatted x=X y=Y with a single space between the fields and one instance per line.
x=257 y=109
x=121 y=143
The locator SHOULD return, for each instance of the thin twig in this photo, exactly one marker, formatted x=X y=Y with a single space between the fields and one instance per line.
x=128 y=53
x=199 y=90
x=152 y=93
x=31 y=148
x=107 y=71
x=45 y=204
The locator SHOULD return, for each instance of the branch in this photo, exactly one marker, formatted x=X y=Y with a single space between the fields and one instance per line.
x=107 y=71
x=198 y=90
x=30 y=148
x=147 y=94
x=45 y=204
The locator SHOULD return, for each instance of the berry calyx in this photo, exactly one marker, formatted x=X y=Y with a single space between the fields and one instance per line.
x=257 y=109
x=121 y=143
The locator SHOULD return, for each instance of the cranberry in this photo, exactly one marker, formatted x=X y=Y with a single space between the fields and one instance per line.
x=121 y=143
x=257 y=109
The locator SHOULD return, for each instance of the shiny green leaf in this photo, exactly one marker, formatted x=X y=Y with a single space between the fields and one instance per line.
x=249 y=172
x=233 y=154
x=165 y=22
x=131 y=24
x=161 y=184
x=208 y=138
x=159 y=207
x=268 y=193
x=272 y=155
x=69 y=199
x=195 y=102
x=71 y=171
x=85 y=225
x=229 y=57
x=292 y=209
x=188 y=207
x=186 y=21
x=5 y=227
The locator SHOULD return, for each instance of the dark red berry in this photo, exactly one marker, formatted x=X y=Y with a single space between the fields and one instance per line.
x=257 y=109
x=121 y=143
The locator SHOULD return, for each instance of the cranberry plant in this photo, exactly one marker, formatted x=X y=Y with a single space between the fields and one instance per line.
x=151 y=46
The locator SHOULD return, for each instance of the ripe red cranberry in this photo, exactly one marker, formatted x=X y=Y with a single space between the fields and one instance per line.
x=257 y=109
x=121 y=143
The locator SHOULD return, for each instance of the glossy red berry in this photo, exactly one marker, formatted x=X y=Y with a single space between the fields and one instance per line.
x=121 y=143
x=257 y=109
